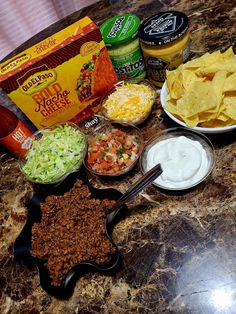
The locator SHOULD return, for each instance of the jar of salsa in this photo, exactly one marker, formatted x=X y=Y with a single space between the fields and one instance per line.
x=120 y=34
x=165 y=43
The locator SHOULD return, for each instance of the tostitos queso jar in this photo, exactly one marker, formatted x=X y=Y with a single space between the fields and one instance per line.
x=165 y=43
x=120 y=34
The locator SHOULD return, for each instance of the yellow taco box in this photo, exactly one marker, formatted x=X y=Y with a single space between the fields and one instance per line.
x=62 y=77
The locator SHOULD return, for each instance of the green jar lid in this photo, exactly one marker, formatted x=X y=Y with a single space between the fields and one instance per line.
x=120 y=29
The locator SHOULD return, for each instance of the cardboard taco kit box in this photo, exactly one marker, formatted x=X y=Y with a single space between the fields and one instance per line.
x=62 y=77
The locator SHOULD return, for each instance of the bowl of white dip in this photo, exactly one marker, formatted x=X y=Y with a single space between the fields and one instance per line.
x=186 y=157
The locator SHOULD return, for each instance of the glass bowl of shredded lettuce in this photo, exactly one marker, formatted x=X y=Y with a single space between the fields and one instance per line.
x=54 y=153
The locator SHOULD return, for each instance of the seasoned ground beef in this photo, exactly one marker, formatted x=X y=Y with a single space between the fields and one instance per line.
x=72 y=230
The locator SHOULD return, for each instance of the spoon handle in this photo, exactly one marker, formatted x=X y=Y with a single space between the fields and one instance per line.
x=138 y=186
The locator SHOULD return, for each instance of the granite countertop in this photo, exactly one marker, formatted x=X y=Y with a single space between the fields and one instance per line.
x=178 y=249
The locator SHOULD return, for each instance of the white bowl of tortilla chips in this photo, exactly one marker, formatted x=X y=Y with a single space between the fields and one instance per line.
x=201 y=94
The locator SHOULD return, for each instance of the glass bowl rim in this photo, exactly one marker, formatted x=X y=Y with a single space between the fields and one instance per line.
x=208 y=146
x=110 y=123
x=75 y=167
x=120 y=83
x=197 y=128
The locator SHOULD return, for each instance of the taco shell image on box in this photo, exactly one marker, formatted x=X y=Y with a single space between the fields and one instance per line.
x=61 y=78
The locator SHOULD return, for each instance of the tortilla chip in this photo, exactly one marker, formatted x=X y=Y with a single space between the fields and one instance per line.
x=230 y=83
x=174 y=85
x=192 y=121
x=190 y=77
x=96 y=78
x=202 y=61
x=207 y=116
x=217 y=123
x=217 y=83
x=172 y=108
x=102 y=79
x=201 y=97
x=203 y=91
x=230 y=107
x=228 y=65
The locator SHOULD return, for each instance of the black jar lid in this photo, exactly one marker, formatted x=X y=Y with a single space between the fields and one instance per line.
x=163 y=28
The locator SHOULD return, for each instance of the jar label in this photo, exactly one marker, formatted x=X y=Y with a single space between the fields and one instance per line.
x=186 y=52
x=18 y=141
x=156 y=67
x=156 y=70
x=129 y=66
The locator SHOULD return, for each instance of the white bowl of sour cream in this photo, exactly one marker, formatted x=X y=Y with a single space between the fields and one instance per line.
x=186 y=157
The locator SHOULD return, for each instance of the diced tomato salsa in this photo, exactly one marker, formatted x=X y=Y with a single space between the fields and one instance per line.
x=110 y=153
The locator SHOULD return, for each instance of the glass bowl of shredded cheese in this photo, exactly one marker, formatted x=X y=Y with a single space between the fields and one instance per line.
x=54 y=153
x=129 y=102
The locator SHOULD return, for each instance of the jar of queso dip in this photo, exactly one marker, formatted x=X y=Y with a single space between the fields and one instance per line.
x=165 y=43
x=120 y=34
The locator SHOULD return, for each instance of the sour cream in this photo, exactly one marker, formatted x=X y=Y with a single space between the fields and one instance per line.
x=184 y=162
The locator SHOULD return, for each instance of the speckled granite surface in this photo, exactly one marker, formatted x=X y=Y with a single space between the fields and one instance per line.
x=178 y=249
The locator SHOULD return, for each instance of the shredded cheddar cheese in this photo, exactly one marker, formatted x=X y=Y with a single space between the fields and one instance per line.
x=129 y=102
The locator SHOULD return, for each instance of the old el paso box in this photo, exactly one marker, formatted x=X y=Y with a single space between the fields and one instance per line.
x=62 y=77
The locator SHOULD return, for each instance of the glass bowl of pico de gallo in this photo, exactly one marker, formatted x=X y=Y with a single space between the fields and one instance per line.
x=113 y=149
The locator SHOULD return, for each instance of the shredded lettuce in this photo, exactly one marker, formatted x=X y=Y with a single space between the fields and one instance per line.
x=56 y=153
